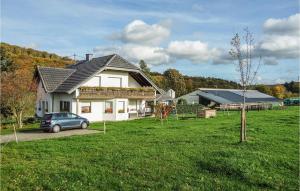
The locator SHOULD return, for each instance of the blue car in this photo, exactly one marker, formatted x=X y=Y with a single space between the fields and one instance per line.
x=55 y=122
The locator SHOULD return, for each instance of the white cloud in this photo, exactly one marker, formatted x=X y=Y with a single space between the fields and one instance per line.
x=280 y=47
x=134 y=53
x=140 y=32
x=195 y=51
x=281 y=38
x=144 y=41
x=285 y=26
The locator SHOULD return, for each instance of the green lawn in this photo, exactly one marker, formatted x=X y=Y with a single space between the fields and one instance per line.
x=191 y=154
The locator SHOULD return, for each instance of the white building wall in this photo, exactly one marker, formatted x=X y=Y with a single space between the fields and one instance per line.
x=132 y=83
x=106 y=79
x=57 y=97
x=97 y=110
x=109 y=78
x=42 y=96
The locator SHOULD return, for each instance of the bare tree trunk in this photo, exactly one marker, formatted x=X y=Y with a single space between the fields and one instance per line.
x=242 y=130
x=18 y=116
x=243 y=119
x=15 y=133
x=245 y=126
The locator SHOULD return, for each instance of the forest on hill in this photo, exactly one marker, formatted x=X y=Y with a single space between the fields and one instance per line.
x=19 y=58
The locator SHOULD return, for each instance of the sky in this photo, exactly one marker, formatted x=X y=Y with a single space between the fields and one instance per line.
x=190 y=36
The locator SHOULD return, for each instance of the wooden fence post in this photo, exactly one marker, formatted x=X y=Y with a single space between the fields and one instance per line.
x=104 y=127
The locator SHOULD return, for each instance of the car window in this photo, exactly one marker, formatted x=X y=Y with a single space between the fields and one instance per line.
x=47 y=116
x=71 y=115
x=61 y=115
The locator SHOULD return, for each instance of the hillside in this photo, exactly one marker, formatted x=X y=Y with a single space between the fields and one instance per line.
x=26 y=59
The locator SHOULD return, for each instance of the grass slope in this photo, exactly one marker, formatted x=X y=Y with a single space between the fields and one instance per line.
x=192 y=154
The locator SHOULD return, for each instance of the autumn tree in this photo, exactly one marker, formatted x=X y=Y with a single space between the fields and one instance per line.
x=175 y=80
x=17 y=94
x=264 y=89
x=242 y=54
x=279 y=91
x=6 y=64
x=189 y=85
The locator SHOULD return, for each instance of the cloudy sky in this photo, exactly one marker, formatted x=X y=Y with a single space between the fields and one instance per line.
x=191 y=36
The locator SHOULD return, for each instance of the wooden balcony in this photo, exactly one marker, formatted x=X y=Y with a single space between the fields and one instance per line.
x=147 y=93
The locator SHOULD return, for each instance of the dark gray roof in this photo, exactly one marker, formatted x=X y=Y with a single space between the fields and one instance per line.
x=53 y=77
x=224 y=96
x=66 y=80
x=83 y=72
x=119 y=62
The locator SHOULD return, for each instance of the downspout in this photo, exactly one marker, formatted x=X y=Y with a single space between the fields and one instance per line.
x=52 y=102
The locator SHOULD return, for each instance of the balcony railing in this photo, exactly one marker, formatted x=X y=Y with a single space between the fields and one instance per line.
x=112 y=92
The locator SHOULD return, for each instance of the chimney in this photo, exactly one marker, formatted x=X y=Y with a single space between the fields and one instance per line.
x=88 y=57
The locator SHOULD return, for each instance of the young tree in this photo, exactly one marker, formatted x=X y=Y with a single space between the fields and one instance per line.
x=16 y=93
x=175 y=81
x=242 y=53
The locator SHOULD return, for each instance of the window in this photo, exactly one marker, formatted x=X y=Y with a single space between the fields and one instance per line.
x=121 y=106
x=72 y=115
x=64 y=106
x=40 y=105
x=132 y=105
x=108 y=107
x=86 y=107
x=45 y=106
x=115 y=82
x=60 y=116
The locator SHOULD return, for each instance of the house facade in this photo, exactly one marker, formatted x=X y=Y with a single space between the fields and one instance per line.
x=104 y=88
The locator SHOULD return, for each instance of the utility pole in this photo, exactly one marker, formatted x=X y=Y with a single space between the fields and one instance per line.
x=74 y=56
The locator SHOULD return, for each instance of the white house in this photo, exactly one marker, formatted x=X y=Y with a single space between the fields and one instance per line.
x=103 y=88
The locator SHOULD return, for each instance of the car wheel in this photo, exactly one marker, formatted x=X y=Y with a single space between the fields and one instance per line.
x=84 y=125
x=56 y=129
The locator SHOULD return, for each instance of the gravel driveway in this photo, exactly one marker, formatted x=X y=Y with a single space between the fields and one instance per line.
x=38 y=134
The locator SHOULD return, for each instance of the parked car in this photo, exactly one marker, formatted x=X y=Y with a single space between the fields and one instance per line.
x=55 y=122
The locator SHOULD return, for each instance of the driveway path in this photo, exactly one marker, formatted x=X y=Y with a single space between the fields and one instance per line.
x=38 y=134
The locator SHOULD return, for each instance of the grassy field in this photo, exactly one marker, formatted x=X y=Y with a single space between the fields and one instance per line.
x=190 y=154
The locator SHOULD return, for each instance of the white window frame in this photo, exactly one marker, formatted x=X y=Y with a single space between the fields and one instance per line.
x=120 y=85
x=64 y=101
x=112 y=107
x=123 y=109
x=86 y=102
